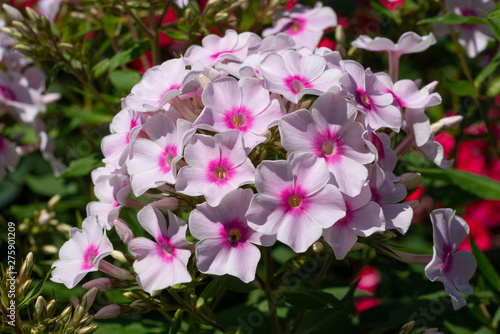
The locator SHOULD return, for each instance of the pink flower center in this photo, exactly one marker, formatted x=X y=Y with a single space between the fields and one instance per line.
x=294 y=201
x=296 y=26
x=89 y=257
x=297 y=83
x=174 y=86
x=220 y=172
x=166 y=158
x=234 y=235
x=447 y=258
x=164 y=249
x=238 y=118
x=7 y=94
x=328 y=146
x=364 y=99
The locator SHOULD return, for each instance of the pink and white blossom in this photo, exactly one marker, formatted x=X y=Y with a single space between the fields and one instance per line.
x=232 y=46
x=82 y=253
x=294 y=200
x=242 y=105
x=49 y=8
x=112 y=193
x=293 y=75
x=305 y=25
x=454 y=269
x=363 y=91
x=216 y=166
x=379 y=144
x=331 y=133
x=163 y=262
x=227 y=243
x=364 y=217
x=153 y=160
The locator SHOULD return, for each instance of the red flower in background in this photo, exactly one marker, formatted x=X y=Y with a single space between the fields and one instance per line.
x=369 y=282
x=392 y=4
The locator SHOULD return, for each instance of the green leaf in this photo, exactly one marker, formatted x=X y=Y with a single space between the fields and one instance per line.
x=85 y=116
x=309 y=298
x=323 y=321
x=488 y=70
x=493 y=87
x=127 y=54
x=208 y=293
x=35 y=292
x=177 y=35
x=125 y=79
x=452 y=18
x=100 y=68
x=494 y=19
x=459 y=87
x=176 y=322
x=496 y=317
x=484 y=265
x=479 y=185
x=81 y=167
x=48 y=185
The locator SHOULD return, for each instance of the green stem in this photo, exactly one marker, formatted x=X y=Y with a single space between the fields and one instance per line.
x=269 y=286
x=155 y=45
x=194 y=312
x=141 y=24
x=315 y=286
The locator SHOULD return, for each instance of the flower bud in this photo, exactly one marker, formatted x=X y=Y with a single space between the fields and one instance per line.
x=12 y=12
x=12 y=32
x=66 y=312
x=411 y=180
x=23 y=29
x=87 y=329
x=132 y=295
x=114 y=271
x=120 y=257
x=108 y=311
x=78 y=314
x=49 y=249
x=431 y=87
x=32 y=14
x=101 y=284
x=40 y=309
x=53 y=201
x=124 y=231
x=64 y=228
x=26 y=268
x=445 y=124
x=88 y=299
x=317 y=247
x=86 y=320
x=407 y=328
x=138 y=304
x=21 y=291
x=357 y=246
x=340 y=35
x=167 y=203
x=51 y=307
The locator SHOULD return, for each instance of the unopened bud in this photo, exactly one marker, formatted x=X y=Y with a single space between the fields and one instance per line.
x=78 y=314
x=24 y=288
x=108 y=312
x=32 y=14
x=156 y=293
x=27 y=50
x=40 y=309
x=86 y=320
x=388 y=235
x=124 y=231
x=87 y=329
x=268 y=135
x=53 y=201
x=66 y=312
x=26 y=268
x=445 y=124
x=317 y=247
x=132 y=295
x=432 y=86
x=407 y=328
x=221 y=16
x=12 y=32
x=102 y=284
x=411 y=180
x=340 y=35
x=114 y=271
x=66 y=46
x=88 y=299
x=51 y=307
x=357 y=246
x=138 y=304
x=12 y=12
x=64 y=228
x=43 y=217
x=22 y=28
x=120 y=257
x=167 y=203
x=49 y=249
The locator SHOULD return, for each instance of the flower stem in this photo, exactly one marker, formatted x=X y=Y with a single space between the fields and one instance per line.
x=269 y=286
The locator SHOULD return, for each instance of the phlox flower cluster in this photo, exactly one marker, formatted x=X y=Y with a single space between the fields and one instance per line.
x=263 y=140
x=22 y=99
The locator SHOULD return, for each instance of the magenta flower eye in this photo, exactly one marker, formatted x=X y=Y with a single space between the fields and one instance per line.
x=234 y=236
x=220 y=172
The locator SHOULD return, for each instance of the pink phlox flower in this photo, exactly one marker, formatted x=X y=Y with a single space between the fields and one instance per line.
x=9 y=158
x=158 y=86
x=181 y=3
x=333 y=58
x=420 y=136
x=82 y=253
x=409 y=42
x=454 y=269
x=163 y=262
x=293 y=75
x=406 y=93
x=242 y=105
x=473 y=37
x=304 y=24
x=331 y=133
x=232 y=46
x=295 y=202
x=379 y=144
x=388 y=195
x=153 y=160
x=362 y=88
x=216 y=165
x=248 y=67
x=227 y=243
x=49 y=8
x=105 y=171
x=124 y=128
x=112 y=193
x=364 y=217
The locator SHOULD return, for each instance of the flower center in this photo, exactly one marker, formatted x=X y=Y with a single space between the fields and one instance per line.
x=327 y=147
x=365 y=100
x=294 y=201
x=296 y=25
x=7 y=94
x=296 y=85
x=220 y=172
x=168 y=159
x=239 y=120
x=166 y=248
x=233 y=236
